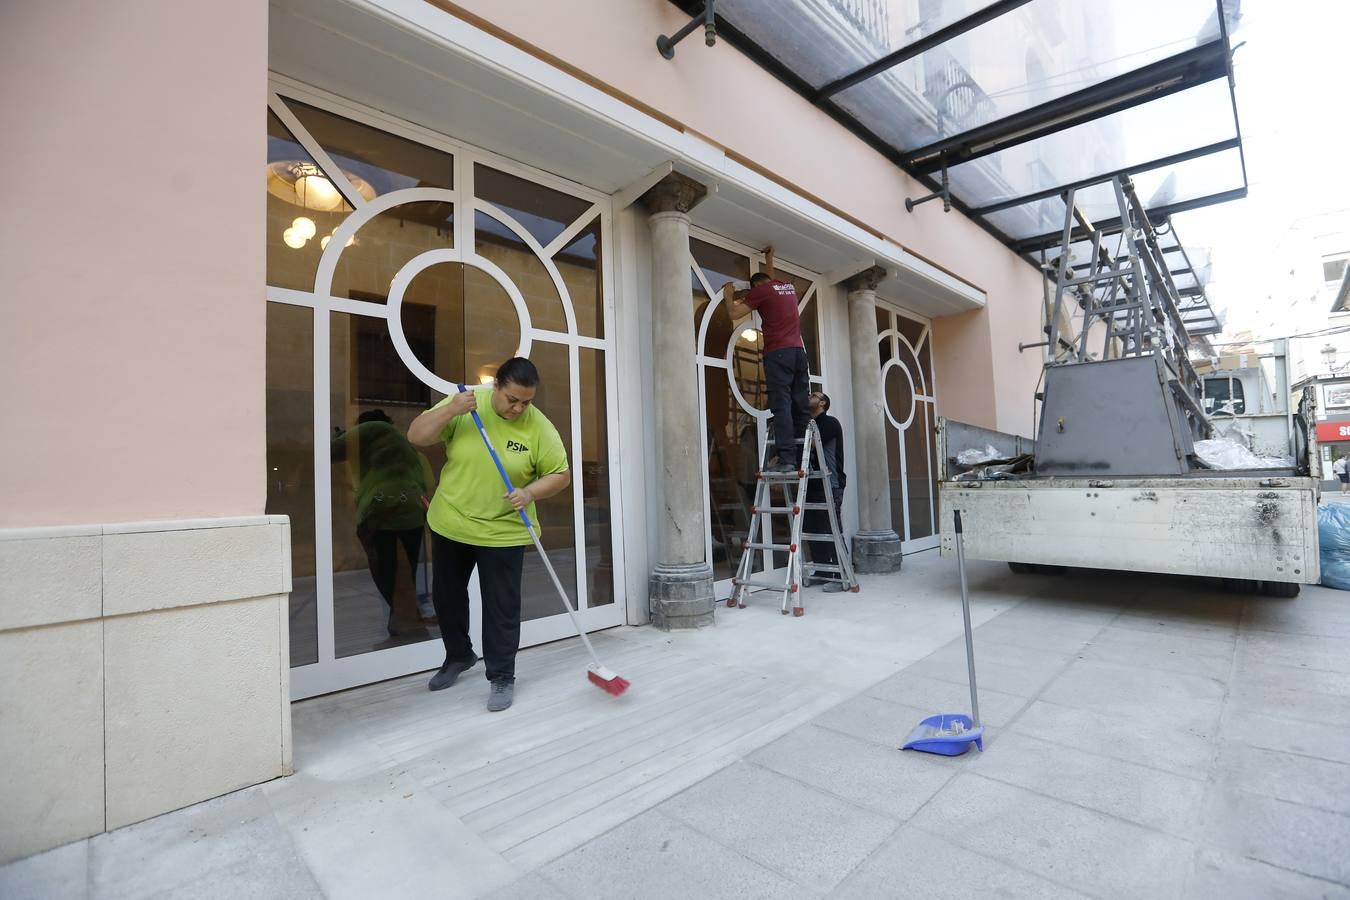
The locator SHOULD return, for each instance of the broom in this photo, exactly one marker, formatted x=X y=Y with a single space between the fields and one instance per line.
x=599 y=675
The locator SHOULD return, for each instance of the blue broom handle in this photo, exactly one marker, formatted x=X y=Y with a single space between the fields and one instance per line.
x=501 y=470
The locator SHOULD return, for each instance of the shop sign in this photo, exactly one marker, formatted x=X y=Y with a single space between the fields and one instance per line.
x=1337 y=395
x=1333 y=432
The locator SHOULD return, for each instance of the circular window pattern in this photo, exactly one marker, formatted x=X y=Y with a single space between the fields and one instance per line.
x=745 y=362
x=898 y=387
x=459 y=322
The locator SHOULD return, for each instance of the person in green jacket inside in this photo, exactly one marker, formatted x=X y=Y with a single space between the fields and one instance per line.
x=475 y=523
x=391 y=480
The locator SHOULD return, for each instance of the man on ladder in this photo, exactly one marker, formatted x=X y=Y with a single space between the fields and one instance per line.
x=801 y=455
x=785 y=368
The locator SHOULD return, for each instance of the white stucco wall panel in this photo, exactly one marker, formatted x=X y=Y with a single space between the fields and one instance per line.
x=193 y=706
x=162 y=569
x=46 y=578
x=51 y=737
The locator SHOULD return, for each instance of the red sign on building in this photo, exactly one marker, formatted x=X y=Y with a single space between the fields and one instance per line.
x=1333 y=432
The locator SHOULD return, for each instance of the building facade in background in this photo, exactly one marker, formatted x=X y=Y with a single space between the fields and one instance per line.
x=331 y=214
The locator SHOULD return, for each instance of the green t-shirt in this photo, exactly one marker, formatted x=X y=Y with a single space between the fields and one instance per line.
x=470 y=504
x=389 y=476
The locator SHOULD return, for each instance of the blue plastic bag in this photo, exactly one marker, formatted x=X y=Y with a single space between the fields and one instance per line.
x=1333 y=533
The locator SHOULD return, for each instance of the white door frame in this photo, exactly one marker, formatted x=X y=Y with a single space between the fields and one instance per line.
x=923 y=393
x=706 y=361
x=330 y=673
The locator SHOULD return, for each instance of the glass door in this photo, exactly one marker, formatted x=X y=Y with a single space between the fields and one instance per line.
x=400 y=264
x=734 y=397
x=905 y=347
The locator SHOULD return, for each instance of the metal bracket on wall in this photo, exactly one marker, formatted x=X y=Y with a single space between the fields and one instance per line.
x=944 y=192
x=666 y=44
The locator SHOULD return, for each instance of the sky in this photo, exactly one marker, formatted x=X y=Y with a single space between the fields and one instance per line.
x=1292 y=82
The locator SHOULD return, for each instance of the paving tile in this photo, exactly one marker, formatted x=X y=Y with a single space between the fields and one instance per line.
x=887 y=781
x=531 y=887
x=60 y=874
x=1146 y=796
x=1287 y=776
x=1305 y=840
x=880 y=721
x=1224 y=876
x=1081 y=848
x=1169 y=652
x=655 y=856
x=1039 y=634
x=235 y=838
x=1274 y=732
x=914 y=863
x=809 y=836
x=1189 y=703
x=1300 y=617
x=1013 y=669
x=1220 y=631
x=381 y=836
x=1300 y=694
x=1302 y=651
x=936 y=696
x=1152 y=741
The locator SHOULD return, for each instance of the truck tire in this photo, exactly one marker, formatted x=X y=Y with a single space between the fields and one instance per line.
x=1019 y=568
x=1240 y=586
x=1280 y=588
x=1041 y=569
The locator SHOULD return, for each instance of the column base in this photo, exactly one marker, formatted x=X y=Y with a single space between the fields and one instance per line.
x=681 y=596
x=876 y=552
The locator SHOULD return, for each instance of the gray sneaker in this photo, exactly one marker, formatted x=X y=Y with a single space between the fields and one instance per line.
x=502 y=693
x=450 y=671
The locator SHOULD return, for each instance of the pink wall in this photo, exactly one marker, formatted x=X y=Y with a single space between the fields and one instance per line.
x=716 y=91
x=132 y=348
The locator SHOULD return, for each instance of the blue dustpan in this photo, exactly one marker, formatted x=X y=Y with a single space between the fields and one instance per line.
x=949 y=734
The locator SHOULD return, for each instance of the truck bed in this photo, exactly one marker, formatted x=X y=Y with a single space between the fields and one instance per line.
x=1254 y=526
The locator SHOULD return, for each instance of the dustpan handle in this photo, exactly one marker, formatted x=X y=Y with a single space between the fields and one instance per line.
x=965 y=616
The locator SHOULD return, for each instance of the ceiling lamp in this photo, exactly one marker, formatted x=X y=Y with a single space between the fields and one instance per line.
x=305 y=227
x=749 y=335
x=304 y=184
x=294 y=239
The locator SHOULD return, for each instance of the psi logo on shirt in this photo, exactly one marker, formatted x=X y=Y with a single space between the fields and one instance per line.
x=517 y=446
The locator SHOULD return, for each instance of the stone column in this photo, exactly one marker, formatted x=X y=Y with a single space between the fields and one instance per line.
x=876 y=547
x=681 y=585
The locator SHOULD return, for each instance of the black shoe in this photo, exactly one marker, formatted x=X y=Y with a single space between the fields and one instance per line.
x=447 y=674
x=502 y=693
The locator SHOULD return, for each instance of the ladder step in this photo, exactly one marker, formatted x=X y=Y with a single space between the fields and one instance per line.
x=786 y=548
x=823 y=567
x=825 y=538
x=770 y=510
x=770 y=585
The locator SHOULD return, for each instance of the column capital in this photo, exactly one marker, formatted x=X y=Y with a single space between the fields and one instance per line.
x=866 y=280
x=674 y=193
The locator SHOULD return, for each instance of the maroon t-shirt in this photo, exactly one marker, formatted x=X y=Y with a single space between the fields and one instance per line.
x=776 y=303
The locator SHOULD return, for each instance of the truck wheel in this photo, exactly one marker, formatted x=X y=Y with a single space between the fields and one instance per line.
x=1019 y=568
x=1240 y=586
x=1280 y=588
x=1040 y=569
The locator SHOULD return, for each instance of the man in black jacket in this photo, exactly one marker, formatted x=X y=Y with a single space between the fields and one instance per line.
x=817 y=521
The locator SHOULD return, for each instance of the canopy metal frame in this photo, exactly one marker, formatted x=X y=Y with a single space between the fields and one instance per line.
x=1187 y=69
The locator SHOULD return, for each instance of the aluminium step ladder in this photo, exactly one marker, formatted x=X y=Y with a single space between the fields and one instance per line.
x=794 y=505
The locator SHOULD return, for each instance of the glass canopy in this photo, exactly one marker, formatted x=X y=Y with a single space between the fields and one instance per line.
x=1018 y=100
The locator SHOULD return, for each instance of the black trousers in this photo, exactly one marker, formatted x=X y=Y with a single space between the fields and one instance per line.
x=382 y=556
x=789 y=383
x=817 y=521
x=499 y=579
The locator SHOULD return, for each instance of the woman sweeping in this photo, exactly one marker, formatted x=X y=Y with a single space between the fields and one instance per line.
x=475 y=524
